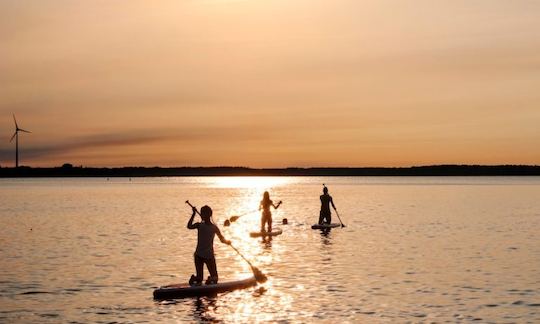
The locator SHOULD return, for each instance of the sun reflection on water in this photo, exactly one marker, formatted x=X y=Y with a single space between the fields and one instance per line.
x=260 y=251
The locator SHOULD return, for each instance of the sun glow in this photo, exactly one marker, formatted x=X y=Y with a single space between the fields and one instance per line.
x=246 y=182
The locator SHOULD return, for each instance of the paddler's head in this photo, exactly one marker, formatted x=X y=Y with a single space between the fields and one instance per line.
x=206 y=213
x=325 y=190
x=266 y=195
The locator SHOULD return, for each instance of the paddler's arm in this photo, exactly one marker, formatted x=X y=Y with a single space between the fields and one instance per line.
x=221 y=237
x=332 y=201
x=190 y=224
x=276 y=207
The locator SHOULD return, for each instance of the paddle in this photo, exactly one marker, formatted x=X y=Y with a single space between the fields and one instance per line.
x=259 y=276
x=236 y=217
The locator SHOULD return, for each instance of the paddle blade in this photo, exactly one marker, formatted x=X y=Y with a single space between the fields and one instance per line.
x=259 y=276
x=234 y=218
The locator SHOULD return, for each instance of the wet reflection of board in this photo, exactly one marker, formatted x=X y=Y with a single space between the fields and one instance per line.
x=325 y=226
x=185 y=290
x=276 y=231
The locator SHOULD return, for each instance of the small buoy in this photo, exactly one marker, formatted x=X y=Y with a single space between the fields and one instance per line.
x=226 y=223
x=285 y=221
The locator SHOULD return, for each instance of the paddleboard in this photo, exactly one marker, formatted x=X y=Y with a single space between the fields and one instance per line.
x=185 y=290
x=325 y=226
x=275 y=231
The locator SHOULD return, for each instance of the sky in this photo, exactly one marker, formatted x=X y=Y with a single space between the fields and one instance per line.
x=270 y=83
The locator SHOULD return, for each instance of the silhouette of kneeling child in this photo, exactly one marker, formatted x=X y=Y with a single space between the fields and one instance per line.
x=204 y=253
x=325 y=215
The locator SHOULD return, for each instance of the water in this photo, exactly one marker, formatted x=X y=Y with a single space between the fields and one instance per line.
x=414 y=250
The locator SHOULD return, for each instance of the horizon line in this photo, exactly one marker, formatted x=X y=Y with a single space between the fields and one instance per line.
x=70 y=165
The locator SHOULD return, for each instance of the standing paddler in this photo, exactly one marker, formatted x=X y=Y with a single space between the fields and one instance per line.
x=266 y=216
x=325 y=216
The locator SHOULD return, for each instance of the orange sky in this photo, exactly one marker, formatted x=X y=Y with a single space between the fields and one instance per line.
x=270 y=83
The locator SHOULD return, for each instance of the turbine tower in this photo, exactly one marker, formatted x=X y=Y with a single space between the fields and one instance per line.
x=16 y=137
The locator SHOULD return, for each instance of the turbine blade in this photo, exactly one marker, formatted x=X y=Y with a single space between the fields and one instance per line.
x=12 y=137
x=22 y=130
x=15 y=120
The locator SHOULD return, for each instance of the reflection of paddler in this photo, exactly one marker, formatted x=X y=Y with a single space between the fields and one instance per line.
x=325 y=216
x=266 y=216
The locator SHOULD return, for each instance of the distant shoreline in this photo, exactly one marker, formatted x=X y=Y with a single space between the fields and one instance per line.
x=432 y=170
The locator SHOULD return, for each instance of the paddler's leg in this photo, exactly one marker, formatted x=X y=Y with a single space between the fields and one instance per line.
x=321 y=217
x=212 y=268
x=199 y=264
x=264 y=220
x=269 y=220
x=325 y=217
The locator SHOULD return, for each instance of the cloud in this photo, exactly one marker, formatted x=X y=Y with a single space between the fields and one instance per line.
x=81 y=143
x=120 y=142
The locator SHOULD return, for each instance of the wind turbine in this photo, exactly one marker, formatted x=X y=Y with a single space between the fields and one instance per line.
x=16 y=137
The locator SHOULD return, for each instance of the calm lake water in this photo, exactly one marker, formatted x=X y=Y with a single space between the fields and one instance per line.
x=435 y=249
